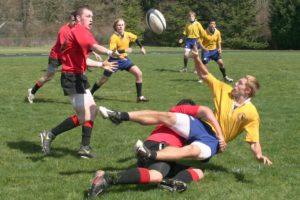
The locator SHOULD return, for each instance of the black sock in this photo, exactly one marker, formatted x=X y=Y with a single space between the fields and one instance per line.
x=124 y=116
x=185 y=62
x=138 y=89
x=184 y=176
x=87 y=128
x=35 y=88
x=132 y=176
x=66 y=125
x=223 y=71
x=94 y=88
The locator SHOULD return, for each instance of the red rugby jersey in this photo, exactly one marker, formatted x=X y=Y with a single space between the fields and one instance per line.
x=77 y=47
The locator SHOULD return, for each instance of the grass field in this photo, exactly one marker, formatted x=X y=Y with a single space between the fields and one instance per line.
x=26 y=174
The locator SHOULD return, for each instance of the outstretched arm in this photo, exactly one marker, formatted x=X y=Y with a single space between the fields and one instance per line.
x=199 y=66
x=257 y=151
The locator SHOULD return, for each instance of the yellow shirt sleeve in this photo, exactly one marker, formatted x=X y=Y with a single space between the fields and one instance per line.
x=219 y=38
x=214 y=84
x=132 y=37
x=113 y=42
x=252 y=130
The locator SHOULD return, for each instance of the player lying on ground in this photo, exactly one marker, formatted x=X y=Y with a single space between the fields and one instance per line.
x=171 y=175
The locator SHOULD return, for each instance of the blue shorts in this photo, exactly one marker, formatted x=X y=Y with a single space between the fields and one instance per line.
x=122 y=65
x=211 y=54
x=201 y=132
x=189 y=43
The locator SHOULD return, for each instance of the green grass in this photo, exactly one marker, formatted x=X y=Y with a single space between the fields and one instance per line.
x=27 y=174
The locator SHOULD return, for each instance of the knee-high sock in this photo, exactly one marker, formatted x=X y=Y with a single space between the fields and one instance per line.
x=35 y=88
x=67 y=124
x=132 y=176
x=187 y=176
x=87 y=128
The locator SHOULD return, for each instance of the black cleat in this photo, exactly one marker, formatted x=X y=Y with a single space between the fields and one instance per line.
x=85 y=152
x=113 y=116
x=173 y=185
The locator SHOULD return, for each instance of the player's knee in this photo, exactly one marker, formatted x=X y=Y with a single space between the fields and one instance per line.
x=200 y=174
x=155 y=176
x=194 y=151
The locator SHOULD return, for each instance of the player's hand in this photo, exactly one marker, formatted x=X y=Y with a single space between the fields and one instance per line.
x=205 y=49
x=116 y=54
x=222 y=145
x=220 y=51
x=180 y=41
x=97 y=56
x=143 y=51
x=110 y=66
x=129 y=50
x=265 y=160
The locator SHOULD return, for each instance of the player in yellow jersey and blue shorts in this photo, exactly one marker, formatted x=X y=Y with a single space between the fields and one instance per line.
x=211 y=41
x=120 y=41
x=192 y=32
x=234 y=112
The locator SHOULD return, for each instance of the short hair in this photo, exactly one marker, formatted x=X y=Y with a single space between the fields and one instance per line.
x=117 y=21
x=186 y=102
x=192 y=13
x=253 y=84
x=211 y=20
x=72 y=15
x=80 y=9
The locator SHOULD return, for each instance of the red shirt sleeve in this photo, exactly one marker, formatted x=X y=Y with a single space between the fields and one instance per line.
x=85 y=39
x=186 y=109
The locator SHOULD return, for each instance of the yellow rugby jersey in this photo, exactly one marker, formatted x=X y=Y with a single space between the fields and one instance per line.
x=233 y=122
x=121 y=43
x=193 y=30
x=209 y=40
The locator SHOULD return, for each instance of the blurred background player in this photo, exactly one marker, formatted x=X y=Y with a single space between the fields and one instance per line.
x=212 y=49
x=120 y=41
x=79 y=43
x=192 y=33
x=54 y=58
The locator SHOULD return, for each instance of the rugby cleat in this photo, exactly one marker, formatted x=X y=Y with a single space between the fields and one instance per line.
x=141 y=99
x=113 y=116
x=99 y=185
x=46 y=139
x=184 y=69
x=30 y=96
x=85 y=152
x=141 y=151
x=173 y=185
x=227 y=79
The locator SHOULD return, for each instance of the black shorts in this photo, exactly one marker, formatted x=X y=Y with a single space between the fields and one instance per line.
x=167 y=168
x=74 y=83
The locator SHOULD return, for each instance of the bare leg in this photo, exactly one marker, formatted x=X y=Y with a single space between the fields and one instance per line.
x=175 y=153
x=149 y=117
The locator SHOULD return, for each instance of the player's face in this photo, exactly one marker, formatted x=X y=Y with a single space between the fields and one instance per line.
x=240 y=88
x=120 y=26
x=192 y=17
x=212 y=25
x=86 y=18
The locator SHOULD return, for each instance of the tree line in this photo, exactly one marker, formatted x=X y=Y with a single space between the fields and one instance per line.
x=244 y=24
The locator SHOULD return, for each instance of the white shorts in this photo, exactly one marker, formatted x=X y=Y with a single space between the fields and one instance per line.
x=82 y=100
x=182 y=128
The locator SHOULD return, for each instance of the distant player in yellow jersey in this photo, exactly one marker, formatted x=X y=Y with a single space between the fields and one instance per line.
x=211 y=41
x=120 y=40
x=233 y=110
x=192 y=32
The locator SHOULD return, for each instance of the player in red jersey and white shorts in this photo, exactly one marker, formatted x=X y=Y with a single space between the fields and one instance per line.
x=78 y=44
x=169 y=174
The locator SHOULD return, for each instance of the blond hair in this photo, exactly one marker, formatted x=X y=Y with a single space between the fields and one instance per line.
x=192 y=13
x=253 y=84
x=117 y=21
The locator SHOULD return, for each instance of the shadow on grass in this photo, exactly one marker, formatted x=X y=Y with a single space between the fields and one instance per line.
x=28 y=147
x=114 y=99
x=166 y=70
x=46 y=100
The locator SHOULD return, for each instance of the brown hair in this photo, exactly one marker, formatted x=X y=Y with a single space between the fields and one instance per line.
x=192 y=13
x=253 y=84
x=80 y=9
x=117 y=21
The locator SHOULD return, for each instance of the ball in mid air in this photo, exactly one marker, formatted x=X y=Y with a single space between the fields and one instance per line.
x=156 y=21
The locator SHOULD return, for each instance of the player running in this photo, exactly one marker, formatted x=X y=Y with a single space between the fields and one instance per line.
x=79 y=43
x=193 y=30
x=211 y=41
x=120 y=41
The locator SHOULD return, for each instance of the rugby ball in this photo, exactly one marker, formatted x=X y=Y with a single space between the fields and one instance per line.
x=155 y=21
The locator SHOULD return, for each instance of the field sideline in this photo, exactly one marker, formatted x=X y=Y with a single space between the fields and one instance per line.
x=26 y=174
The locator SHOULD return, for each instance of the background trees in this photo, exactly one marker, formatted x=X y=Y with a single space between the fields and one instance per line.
x=245 y=24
